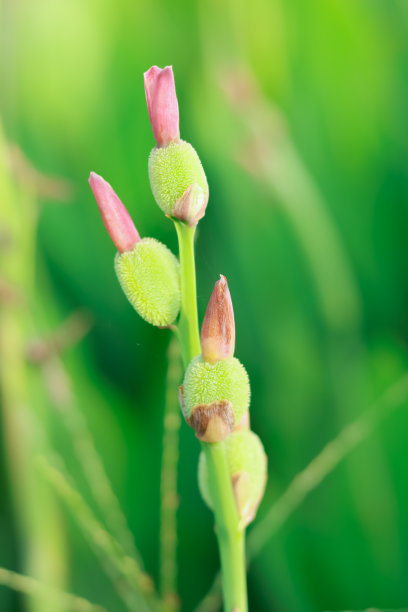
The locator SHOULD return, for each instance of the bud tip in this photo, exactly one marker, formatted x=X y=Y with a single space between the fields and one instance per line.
x=190 y=208
x=115 y=217
x=162 y=104
x=218 y=329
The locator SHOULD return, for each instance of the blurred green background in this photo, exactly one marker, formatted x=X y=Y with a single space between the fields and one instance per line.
x=299 y=114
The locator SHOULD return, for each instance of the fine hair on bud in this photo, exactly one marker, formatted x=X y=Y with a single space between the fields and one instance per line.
x=247 y=468
x=149 y=275
x=172 y=170
x=206 y=384
x=211 y=422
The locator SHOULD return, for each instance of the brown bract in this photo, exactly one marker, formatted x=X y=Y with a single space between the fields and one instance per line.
x=247 y=506
x=241 y=485
x=212 y=422
x=181 y=399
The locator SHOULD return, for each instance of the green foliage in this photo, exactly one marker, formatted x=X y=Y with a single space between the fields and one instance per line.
x=205 y=383
x=150 y=278
x=172 y=170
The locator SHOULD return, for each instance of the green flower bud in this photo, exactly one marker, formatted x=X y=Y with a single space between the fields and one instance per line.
x=247 y=466
x=172 y=170
x=150 y=278
x=214 y=396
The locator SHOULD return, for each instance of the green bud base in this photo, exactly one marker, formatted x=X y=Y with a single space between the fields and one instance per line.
x=150 y=278
x=172 y=170
x=246 y=462
x=205 y=383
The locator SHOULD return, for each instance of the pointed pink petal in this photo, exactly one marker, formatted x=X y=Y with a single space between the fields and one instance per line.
x=114 y=215
x=162 y=104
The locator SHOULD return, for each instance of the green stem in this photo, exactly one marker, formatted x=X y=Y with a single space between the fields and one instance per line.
x=188 y=326
x=230 y=536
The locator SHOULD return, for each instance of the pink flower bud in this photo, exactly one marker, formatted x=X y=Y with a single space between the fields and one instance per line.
x=218 y=329
x=162 y=104
x=114 y=215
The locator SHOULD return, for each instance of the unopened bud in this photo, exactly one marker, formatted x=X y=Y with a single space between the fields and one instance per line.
x=247 y=467
x=162 y=104
x=218 y=329
x=190 y=208
x=114 y=215
x=177 y=178
x=215 y=391
x=150 y=278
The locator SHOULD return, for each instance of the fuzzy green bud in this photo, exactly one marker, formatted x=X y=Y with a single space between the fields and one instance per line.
x=150 y=278
x=173 y=169
x=215 y=397
x=247 y=467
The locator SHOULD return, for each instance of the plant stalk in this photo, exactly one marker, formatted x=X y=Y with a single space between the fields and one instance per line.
x=188 y=326
x=230 y=535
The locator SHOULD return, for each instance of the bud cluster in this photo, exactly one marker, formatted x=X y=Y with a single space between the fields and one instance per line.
x=147 y=271
x=215 y=394
x=215 y=398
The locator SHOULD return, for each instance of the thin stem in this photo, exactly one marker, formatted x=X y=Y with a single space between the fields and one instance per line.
x=325 y=462
x=130 y=581
x=64 y=400
x=34 y=588
x=188 y=327
x=168 y=485
x=24 y=414
x=231 y=538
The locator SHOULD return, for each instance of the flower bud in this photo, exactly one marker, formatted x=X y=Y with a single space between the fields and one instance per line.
x=214 y=397
x=218 y=329
x=114 y=215
x=174 y=169
x=162 y=104
x=247 y=467
x=149 y=275
x=190 y=208
x=177 y=178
